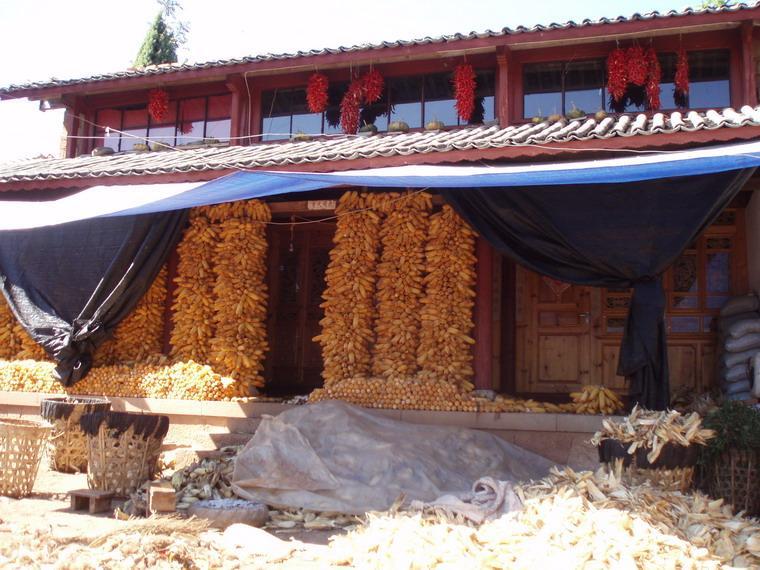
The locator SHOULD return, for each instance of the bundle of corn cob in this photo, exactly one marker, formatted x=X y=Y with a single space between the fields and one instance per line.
x=141 y=332
x=652 y=430
x=349 y=303
x=596 y=400
x=400 y=283
x=181 y=380
x=240 y=292
x=10 y=344
x=28 y=349
x=192 y=309
x=445 y=349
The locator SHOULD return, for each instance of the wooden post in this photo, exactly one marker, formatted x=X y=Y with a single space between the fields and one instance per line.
x=71 y=125
x=237 y=111
x=254 y=114
x=749 y=78
x=483 y=322
x=502 y=86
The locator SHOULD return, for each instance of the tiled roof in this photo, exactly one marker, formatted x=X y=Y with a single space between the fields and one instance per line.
x=177 y=67
x=326 y=150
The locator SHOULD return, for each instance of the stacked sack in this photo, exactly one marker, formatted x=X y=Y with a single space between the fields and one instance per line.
x=739 y=345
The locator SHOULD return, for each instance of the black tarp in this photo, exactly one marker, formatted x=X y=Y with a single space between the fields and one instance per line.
x=70 y=285
x=607 y=235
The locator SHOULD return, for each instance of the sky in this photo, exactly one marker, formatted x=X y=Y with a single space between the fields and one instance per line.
x=78 y=38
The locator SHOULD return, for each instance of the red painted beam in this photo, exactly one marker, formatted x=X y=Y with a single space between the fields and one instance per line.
x=749 y=77
x=483 y=321
x=573 y=150
x=502 y=86
x=679 y=24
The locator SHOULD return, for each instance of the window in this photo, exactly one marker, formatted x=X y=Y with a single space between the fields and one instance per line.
x=187 y=121
x=559 y=87
x=697 y=285
x=415 y=100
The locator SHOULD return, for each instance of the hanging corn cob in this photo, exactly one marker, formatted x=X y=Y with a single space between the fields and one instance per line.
x=141 y=333
x=445 y=350
x=349 y=303
x=240 y=292
x=400 y=283
x=192 y=310
x=10 y=344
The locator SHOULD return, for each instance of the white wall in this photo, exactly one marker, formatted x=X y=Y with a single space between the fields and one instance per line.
x=753 y=241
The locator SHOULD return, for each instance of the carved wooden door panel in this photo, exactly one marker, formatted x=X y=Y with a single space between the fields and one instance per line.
x=553 y=334
x=298 y=260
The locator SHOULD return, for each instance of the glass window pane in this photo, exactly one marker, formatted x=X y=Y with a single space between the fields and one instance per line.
x=489 y=109
x=719 y=272
x=716 y=301
x=310 y=124
x=542 y=104
x=711 y=94
x=162 y=134
x=219 y=130
x=276 y=128
x=708 y=324
x=584 y=75
x=128 y=142
x=685 y=302
x=709 y=65
x=410 y=113
x=406 y=100
x=667 y=96
x=589 y=101
x=542 y=77
x=684 y=324
x=442 y=110
x=190 y=132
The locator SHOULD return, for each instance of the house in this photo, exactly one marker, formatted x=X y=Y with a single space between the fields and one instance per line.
x=541 y=97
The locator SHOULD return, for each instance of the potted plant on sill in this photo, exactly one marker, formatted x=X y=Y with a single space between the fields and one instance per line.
x=731 y=460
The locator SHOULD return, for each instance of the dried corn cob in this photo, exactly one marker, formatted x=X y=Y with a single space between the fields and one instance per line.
x=28 y=347
x=596 y=400
x=240 y=292
x=400 y=283
x=10 y=343
x=347 y=333
x=445 y=349
x=192 y=310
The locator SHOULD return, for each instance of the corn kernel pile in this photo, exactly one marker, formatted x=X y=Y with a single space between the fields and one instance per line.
x=160 y=379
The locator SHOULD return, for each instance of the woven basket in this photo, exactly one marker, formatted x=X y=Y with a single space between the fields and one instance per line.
x=123 y=449
x=735 y=477
x=67 y=450
x=21 y=445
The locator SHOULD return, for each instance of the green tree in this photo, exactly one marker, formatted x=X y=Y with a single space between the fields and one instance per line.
x=716 y=3
x=165 y=35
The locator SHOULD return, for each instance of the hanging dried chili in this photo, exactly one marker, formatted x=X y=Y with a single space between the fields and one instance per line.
x=158 y=104
x=637 y=65
x=316 y=92
x=350 y=107
x=654 y=73
x=682 y=77
x=617 y=74
x=464 y=90
x=373 y=86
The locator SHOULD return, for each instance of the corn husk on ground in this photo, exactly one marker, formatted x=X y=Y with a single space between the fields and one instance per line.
x=400 y=285
x=651 y=430
x=349 y=296
x=192 y=309
x=445 y=349
x=206 y=479
x=141 y=334
x=240 y=293
x=596 y=400
x=159 y=379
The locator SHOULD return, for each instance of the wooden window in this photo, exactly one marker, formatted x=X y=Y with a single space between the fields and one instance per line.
x=697 y=285
x=187 y=121
x=558 y=87
x=415 y=100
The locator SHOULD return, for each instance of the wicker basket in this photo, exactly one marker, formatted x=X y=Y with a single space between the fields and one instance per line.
x=735 y=477
x=21 y=445
x=67 y=450
x=123 y=449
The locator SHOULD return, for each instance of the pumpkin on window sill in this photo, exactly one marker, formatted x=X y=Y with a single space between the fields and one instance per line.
x=141 y=147
x=300 y=137
x=556 y=118
x=367 y=130
x=435 y=125
x=600 y=115
x=398 y=127
x=575 y=113
x=159 y=147
x=102 y=151
x=537 y=120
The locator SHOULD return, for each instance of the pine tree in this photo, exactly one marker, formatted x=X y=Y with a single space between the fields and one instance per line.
x=159 y=46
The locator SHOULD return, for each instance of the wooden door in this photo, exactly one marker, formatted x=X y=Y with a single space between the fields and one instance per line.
x=298 y=259
x=552 y=334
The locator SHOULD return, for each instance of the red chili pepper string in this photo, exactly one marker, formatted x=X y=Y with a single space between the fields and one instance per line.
x=637 y=65
x=464 y=90
x=350 y=106
x=617 y=74
x=373 y=86
x=158 y=104
x=654 y=73
x=316 y=92
x=682 y=73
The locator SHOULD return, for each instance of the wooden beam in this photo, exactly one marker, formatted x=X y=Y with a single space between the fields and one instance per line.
x=483 y=321
x=749 y=77
x=502 y=94
x=235 y=85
